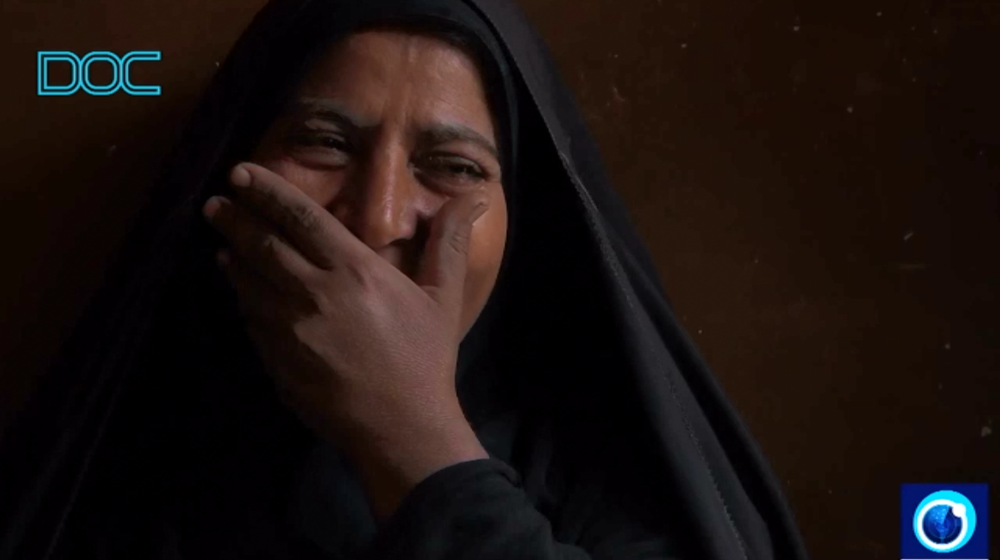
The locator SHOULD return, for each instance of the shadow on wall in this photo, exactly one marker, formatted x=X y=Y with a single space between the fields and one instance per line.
x=78 y=166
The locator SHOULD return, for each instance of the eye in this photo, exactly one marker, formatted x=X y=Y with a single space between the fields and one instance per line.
x=322 y=140
x=454 y=166
x=321 y=147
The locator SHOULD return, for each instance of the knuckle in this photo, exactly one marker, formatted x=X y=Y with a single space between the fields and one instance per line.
x=361 y=272
x=458 y=241
x=318 y=300
x=307 y=218
x=314 y=291
x=267 y=193
x=271 y=245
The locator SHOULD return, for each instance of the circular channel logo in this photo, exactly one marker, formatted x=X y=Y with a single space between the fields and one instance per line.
x=944 y=521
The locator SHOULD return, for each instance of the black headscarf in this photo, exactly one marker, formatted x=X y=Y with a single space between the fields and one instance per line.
x=160 y=393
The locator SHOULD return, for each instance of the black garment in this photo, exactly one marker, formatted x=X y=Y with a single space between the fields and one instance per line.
x=158 y=434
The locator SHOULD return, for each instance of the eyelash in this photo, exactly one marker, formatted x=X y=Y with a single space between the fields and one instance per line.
x=312 y=140
x=466 y=169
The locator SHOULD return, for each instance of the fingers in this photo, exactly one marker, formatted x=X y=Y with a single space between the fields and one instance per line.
x=262 y=306
x=312 y=230
x=442 y=270
x=259 y=245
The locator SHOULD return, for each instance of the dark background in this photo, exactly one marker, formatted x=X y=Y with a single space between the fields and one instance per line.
x=819 y=183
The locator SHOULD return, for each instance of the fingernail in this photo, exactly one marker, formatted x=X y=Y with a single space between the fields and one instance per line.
x=240 y=176
x=481 y=206
x=211 y=206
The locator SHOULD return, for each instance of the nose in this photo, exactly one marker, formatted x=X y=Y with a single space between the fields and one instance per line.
x=381 y=203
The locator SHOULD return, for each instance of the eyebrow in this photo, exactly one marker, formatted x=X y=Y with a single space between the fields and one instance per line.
x=450 y=132
x=327 y=110
x=440 y=133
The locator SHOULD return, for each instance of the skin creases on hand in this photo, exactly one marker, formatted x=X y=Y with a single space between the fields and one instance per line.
x=395 y=338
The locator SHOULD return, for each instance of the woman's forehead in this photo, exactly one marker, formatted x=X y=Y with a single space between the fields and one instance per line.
x=377 y=74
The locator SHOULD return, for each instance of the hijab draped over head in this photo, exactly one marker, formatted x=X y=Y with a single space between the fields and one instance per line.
x=157 y=421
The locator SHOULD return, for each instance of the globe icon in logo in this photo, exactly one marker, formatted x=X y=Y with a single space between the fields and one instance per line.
x=944 y=521
x=941 y=525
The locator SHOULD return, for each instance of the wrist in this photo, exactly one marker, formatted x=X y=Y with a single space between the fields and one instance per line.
x=391 y=462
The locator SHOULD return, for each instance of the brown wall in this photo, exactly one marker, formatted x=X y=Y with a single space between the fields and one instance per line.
x=818 y=184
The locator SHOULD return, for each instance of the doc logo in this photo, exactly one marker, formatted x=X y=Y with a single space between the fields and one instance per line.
x=80 y=67
x=944 y=521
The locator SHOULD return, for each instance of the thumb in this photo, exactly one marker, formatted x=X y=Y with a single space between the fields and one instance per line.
x=442 y=271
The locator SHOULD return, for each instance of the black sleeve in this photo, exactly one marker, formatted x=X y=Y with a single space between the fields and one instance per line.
x=478 y=510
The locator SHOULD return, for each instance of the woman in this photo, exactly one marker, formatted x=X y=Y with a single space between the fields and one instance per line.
x=384 y=304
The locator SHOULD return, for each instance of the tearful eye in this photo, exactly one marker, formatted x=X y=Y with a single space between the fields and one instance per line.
x=454 y=166
x=463 y=169
x=321 y=140
x=322 y=148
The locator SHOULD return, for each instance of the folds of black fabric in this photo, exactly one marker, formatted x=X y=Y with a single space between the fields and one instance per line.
x=158 y=434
